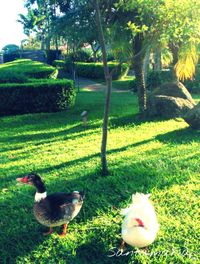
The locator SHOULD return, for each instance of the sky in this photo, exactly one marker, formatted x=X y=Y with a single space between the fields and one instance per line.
x=11 y=31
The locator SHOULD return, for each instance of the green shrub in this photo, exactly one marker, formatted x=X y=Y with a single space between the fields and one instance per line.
x=96 y=70
x=156 y=78
x=8 y=57
x=12 y=77
x=39 y=96
x=194 y=85
x=93 y=70
x=52 y=55
x=82 y=55
x=59 y=64
x=29 y=68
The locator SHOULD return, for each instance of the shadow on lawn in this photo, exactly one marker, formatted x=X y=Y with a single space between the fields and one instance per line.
x=180 y=136
x=102 y=193
x=134 y=120
x=70 y=133
x=47 y=137
x=20 y=233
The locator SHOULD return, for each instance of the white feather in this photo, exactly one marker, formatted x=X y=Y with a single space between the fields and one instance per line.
x=40 y=196
x=132 y=233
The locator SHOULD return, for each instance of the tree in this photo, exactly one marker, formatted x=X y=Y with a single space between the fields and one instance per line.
x=108 y=77
x=40 y=19
x=152 y=23
x=94 y=13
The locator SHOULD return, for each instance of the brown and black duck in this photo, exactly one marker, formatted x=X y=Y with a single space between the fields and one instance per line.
x=55 y=209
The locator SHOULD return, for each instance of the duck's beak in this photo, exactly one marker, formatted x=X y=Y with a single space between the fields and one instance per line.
x=23 y=180
x=135 y=222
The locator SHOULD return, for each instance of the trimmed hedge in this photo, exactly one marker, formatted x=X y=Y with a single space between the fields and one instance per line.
x=39 y=96
x=59 y=64
x=7 y=57
x=29 y=68
x=94 y=70
x=12 y=77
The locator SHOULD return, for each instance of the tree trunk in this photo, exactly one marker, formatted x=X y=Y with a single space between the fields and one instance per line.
x=174 y=50
x=42 y=39
x=48 y=43
x=157 y=60
x=139 y=73
x=56 y=42
x=146 y=64
x=108 y=91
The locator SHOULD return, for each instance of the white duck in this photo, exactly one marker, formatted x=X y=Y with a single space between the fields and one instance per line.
x=140 y=225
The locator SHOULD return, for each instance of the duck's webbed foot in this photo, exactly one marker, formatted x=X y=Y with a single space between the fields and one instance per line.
x=64 y=232
x=49 y=232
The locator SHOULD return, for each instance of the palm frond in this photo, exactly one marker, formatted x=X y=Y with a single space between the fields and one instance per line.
x=187 y=60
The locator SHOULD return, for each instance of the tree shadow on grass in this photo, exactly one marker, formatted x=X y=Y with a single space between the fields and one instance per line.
x=48 y=137
x=102 y=194
x=20 y=232
x=180 y=136
x=134 y=120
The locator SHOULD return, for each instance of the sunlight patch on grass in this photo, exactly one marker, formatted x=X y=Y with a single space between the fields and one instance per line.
x=160 y=157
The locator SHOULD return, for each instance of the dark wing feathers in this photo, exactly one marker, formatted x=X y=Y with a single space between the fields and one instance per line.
x=59 y=199
x=57 y=206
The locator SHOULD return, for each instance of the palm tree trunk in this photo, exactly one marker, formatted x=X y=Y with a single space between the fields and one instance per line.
x=139 y=73
x=146 y=64
x=157 y=60
x=108 y=91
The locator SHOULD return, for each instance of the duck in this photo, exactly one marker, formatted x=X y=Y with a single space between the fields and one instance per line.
x=140 y=225
x=54 y=209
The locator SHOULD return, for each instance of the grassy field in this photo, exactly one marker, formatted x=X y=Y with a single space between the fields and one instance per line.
x=157 y=157
x=123 y=84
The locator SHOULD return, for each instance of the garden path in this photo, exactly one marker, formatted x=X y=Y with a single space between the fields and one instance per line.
x=90 y=85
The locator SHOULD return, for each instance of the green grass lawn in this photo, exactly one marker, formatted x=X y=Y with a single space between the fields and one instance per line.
x=125 y=83
x=157 y=157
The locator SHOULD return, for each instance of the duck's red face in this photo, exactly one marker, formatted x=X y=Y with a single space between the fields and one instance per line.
x=25 y=179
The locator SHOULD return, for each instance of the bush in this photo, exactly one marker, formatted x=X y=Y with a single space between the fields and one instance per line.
x=82 y=55
x=12 y=77
x=39 y=96
x=11 y=56
x=96 y=70
x=59 y=64
x=29 y=68
x=194 y=85
x=156 y=78
x=52 y=55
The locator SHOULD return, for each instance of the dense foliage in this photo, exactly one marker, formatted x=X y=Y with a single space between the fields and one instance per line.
x=29 y=68
x=24 y=88
x=38 y=96
x=9 y=76
x=94 y=70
